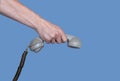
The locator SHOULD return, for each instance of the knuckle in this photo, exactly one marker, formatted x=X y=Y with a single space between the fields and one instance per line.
x=64 y=40
x=59 y=40
x=56 y=33
x=52 y=35
x=48 y=40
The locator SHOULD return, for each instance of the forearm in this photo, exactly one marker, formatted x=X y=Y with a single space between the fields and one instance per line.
x=19 y=12
x=47 y=31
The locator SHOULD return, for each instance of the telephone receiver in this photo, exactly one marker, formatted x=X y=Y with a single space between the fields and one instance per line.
x=37 y=44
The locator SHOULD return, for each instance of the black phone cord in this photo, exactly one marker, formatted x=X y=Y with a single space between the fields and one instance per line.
x=22 y=62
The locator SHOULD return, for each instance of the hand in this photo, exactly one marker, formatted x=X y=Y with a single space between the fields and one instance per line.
x=50 y=32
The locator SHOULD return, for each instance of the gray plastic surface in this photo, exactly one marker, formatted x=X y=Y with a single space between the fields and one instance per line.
x=73 y=41
x=37 y=44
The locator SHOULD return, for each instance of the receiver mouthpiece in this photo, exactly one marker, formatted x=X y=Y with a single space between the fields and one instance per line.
x=37 y=44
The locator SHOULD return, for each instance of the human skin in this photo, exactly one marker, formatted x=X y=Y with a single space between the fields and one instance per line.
x=49 y=32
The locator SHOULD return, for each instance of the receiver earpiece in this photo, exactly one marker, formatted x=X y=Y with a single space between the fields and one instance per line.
x=37 y=44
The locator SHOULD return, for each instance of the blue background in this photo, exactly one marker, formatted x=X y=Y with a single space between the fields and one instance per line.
x=95 y=22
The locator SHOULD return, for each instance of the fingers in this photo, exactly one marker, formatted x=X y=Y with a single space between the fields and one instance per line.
x=53 y=41
x=51 y=33
x=63 y=37
x=53 y=38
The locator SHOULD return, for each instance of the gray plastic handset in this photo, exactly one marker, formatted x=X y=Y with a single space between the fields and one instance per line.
x=37 y=44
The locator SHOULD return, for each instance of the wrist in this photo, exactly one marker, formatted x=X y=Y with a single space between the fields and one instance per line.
x=38 y=25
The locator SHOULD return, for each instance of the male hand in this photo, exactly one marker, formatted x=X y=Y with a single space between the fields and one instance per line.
x=49 y=32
